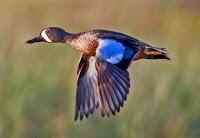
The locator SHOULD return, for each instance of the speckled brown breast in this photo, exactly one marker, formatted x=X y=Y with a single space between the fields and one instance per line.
x=85 y=42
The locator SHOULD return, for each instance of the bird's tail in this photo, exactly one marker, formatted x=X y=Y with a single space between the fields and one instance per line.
x=156 y=53
x=148 y=52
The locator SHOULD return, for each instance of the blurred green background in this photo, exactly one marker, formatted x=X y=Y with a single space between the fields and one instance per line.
x=38 y=82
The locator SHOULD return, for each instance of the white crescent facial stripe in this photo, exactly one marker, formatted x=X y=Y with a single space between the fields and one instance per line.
x=44 y=35
x=110 y=50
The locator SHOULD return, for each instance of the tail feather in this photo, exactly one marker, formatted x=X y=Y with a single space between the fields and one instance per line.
x=156 y=53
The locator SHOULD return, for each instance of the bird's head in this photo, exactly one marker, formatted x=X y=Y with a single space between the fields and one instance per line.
x=50 y=35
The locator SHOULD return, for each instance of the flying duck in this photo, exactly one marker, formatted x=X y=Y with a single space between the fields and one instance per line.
x=103 y=79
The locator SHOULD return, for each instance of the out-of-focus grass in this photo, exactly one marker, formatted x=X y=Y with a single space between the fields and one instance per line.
x=38 y=82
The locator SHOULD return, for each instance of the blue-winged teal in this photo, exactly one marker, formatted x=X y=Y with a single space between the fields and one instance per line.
x=103 y=79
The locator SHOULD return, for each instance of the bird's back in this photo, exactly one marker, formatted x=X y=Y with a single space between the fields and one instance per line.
x=87 y=42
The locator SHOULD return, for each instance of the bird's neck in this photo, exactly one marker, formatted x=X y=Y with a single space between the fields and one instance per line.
x=73 y=40
x=83 y=43
x=65 y=37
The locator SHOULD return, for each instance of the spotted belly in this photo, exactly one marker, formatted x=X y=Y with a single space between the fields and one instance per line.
x=89 y=48
x=86 y=45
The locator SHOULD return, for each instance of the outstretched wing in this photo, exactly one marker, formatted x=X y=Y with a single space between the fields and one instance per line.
x=103 y=80
x=112 y=61
x=112 y=86
x=86 y=92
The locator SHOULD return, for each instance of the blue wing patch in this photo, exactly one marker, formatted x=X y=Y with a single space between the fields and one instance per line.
x=110 y=50
x=128 y=54
x=127 y=58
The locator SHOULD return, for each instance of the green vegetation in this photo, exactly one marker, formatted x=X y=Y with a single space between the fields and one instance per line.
x=38 y=82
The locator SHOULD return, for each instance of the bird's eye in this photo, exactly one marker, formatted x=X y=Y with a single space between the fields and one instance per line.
x=47 y=32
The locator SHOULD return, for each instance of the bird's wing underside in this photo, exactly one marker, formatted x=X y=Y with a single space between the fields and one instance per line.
x=100 y=83
x=86 y=92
